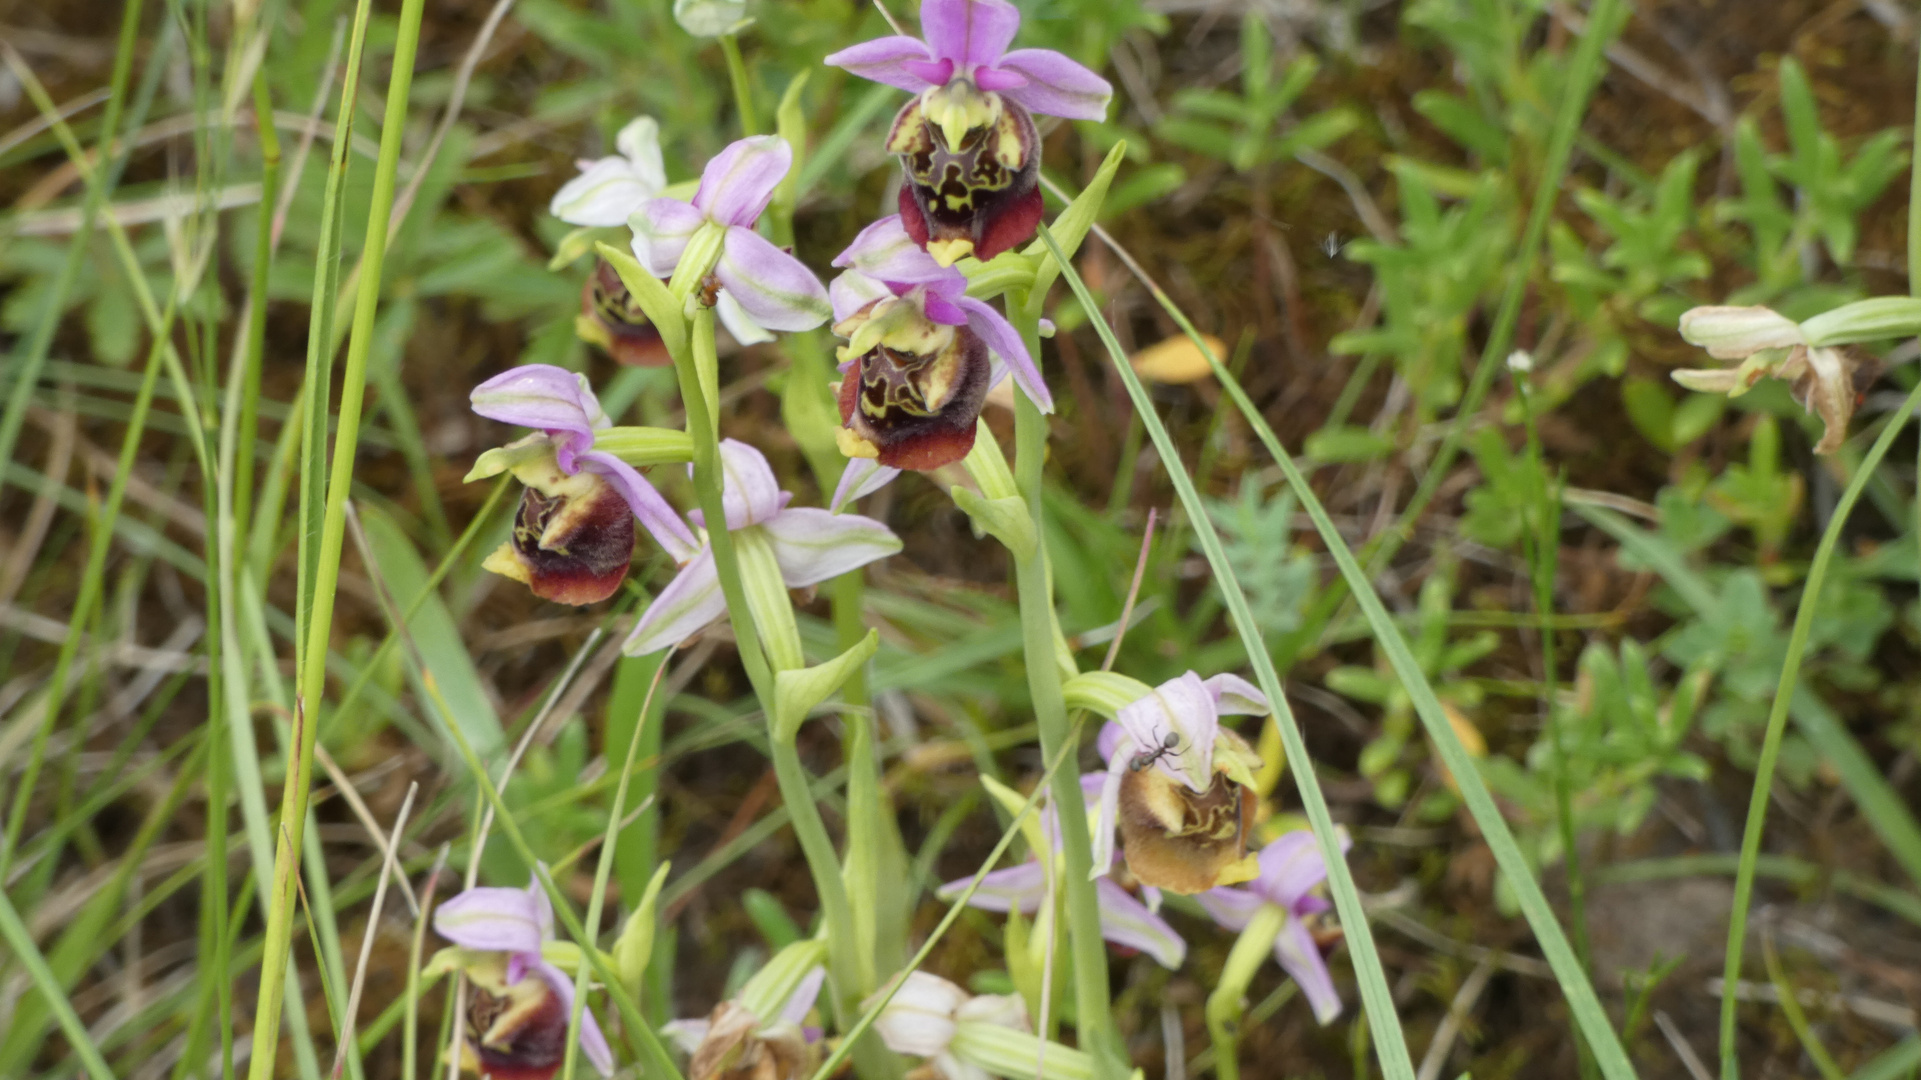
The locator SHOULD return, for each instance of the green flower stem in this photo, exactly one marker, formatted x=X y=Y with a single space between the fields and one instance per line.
x=842 y=960
x=743 y=90
x=313 y=660
x=1093 y=1010
x=1778 y=719
x=1227 y=1004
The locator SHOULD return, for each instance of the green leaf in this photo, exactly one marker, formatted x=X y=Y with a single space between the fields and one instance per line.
x=1347 y=443
x=797 y=692
x=434 y=633
x=651 y=294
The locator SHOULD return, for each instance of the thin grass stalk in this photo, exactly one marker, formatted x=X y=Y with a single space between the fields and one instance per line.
x=33 y=354
x=603 y=871
x=1540 y=916
x=1093 y=1014
x=313 y=667
x=410 y=1026
x=18 y=939
x=1778 y=717
x=1377 y=998
x=92 y=583
x=1542 y=543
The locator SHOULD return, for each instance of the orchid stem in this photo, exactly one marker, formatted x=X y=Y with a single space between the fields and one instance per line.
x=1227 y=1004
x=1093 y=1012
x=816 y=846
x=743 y=91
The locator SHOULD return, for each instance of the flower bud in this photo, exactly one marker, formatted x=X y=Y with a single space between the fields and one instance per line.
x=711 y=18
x=1735 y=333
x=919 y=1019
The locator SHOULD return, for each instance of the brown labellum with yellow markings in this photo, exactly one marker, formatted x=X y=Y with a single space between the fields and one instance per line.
x=1181 y=840
x=611 y=319
x=572 y=542
x=516 y=1032
x=972 y=160
x=910 y=401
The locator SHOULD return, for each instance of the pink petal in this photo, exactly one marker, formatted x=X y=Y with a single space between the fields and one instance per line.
x=1235 y=696
x=662 y=228
x=1301 y=958
x=541 y=396
x=774 y=288
x=592 y=1042
x=802 y=999
x=936 y=72
x=862 y=476
x=1006 y=343
x=852 y=291
x=1055 y=85
x=884 y=60
x=972 y=33
x=1020 y=886
x=1109 y=740
x=688 y=603
x=997 y=80
x=748 y=490
x=655 y=515
x=1183 y=707
x=1109 y=817
x=885 y=252
x=1232 y=908
x=490 y=920
x=813 y=545
x=1290 y=866
x=739 y=182
x=1126 y=921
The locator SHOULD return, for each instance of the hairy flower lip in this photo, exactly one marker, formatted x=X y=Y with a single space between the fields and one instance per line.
x=572 y=546
x=976 y=196
x=1175 y=839
x=917 y=411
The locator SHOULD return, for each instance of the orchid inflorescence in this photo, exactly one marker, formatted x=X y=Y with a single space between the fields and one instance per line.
x=1177 y=806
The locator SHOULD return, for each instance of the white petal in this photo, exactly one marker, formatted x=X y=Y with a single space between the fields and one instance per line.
x=639 y=143
x=688 y=603
x=738 y=323
x=602 y=195
x=813 y=545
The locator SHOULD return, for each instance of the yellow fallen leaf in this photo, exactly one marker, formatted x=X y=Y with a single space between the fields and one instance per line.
x=1471 y=740
x=1177 y=360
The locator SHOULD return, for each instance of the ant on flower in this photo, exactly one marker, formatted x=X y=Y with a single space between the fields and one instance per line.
x=1142 y=760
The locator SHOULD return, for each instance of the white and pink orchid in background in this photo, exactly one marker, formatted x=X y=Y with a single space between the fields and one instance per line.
x=809 y=546
x=760 y=287
x=1291 y=867
x=520 y=1023
x=927 y=1013
x=610 y=188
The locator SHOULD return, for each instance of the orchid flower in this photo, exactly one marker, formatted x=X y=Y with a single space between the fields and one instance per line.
x=1125 y=921
x=808 y=546
x=920 y=353
x=1179 y=786
x=1291 y=867
x=609 y=189
x=930 y=1017
x=517 y=1025
x=759 y=286
x=573 y=535
x=757 y=1035
x=1826 y=380
x=967 y=141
